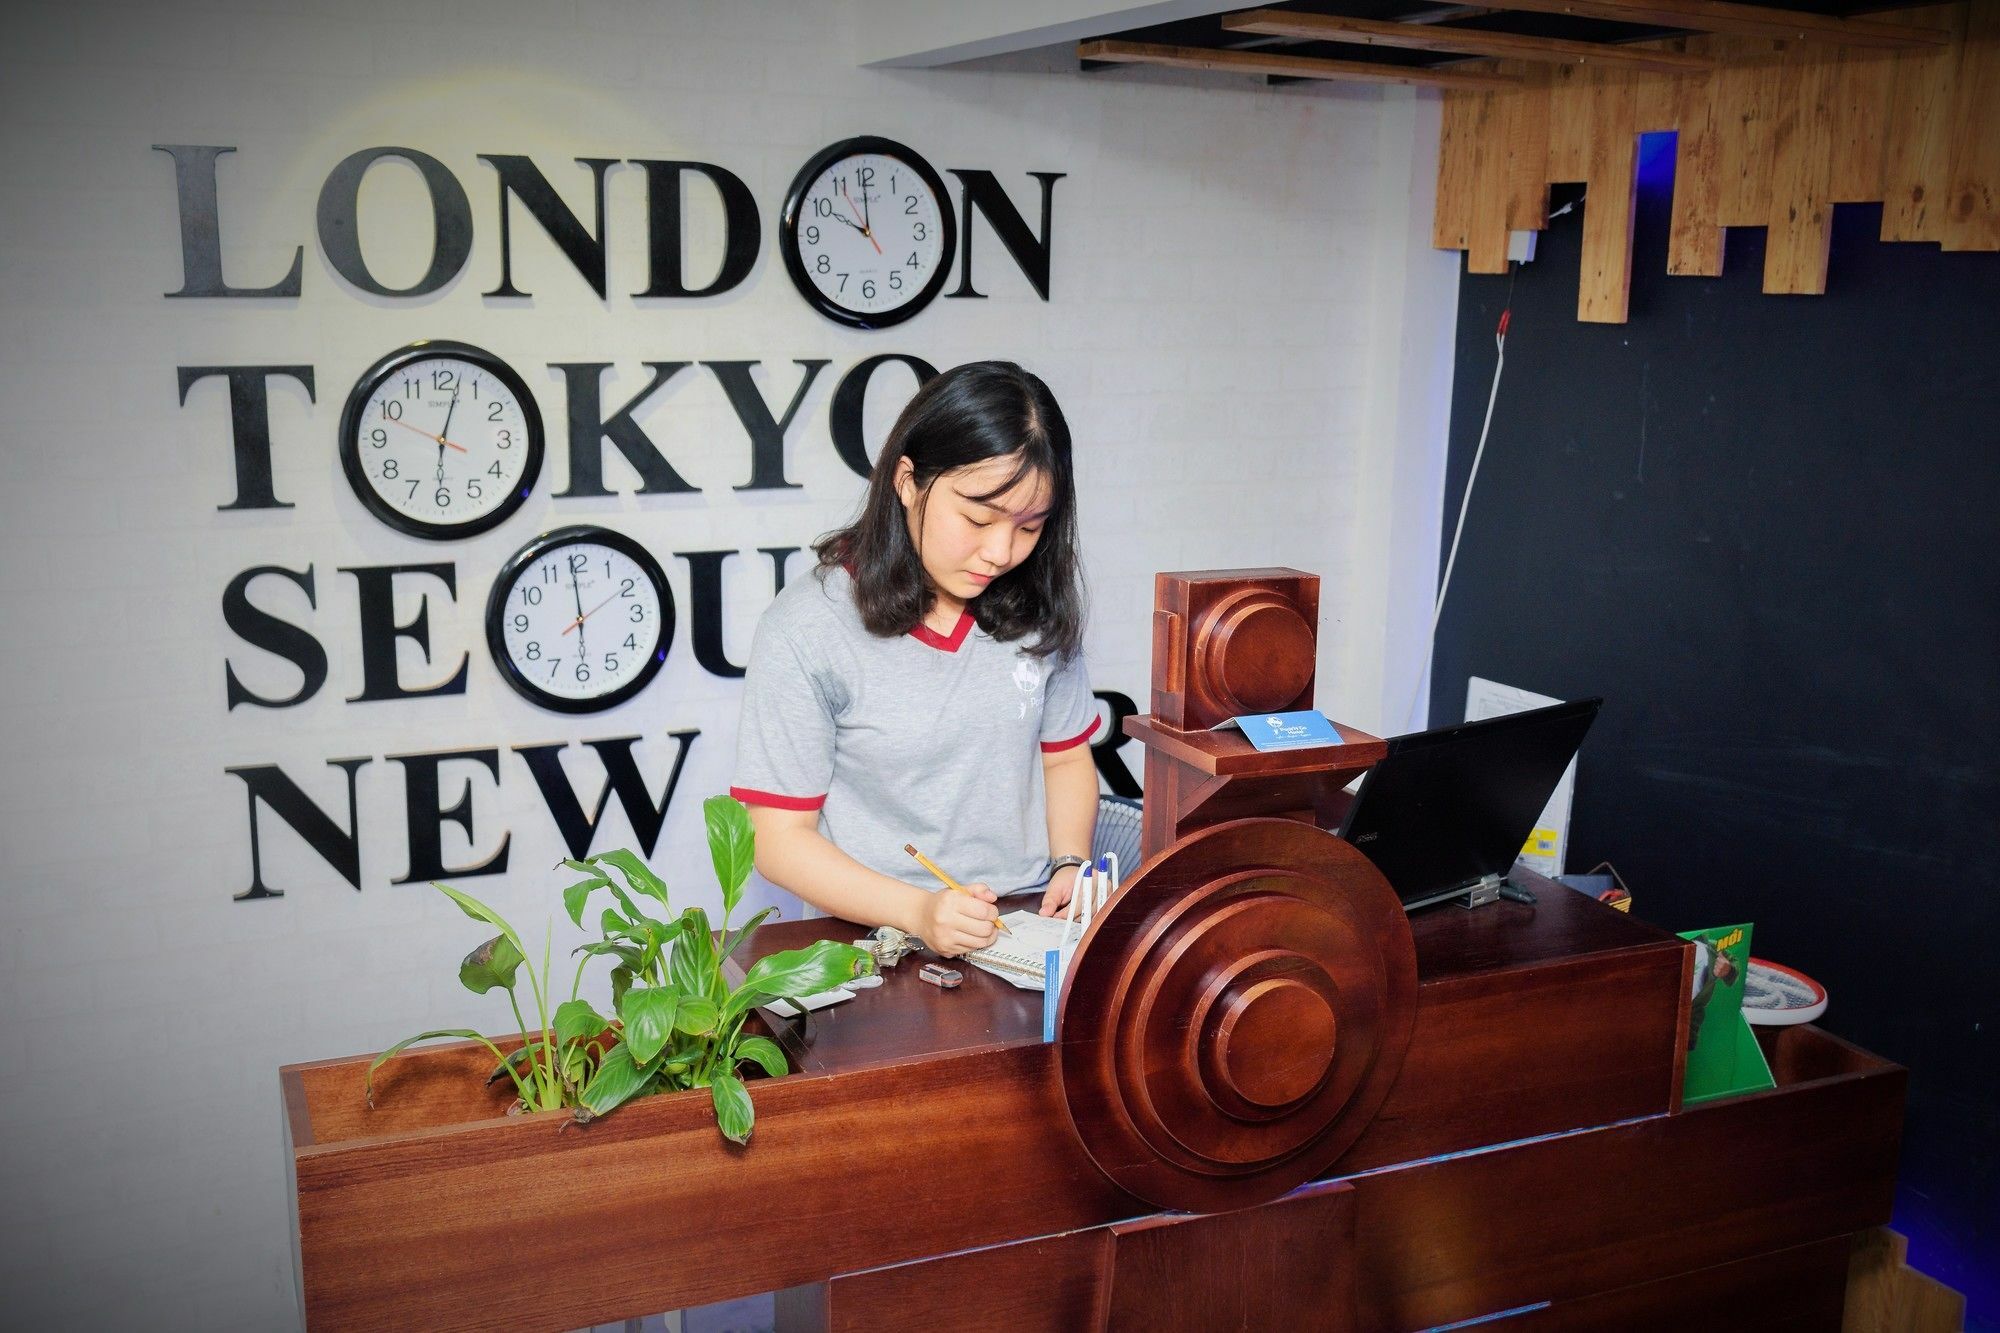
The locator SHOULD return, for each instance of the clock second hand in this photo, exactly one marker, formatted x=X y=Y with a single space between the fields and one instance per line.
x=578 y=622
x=442 y=441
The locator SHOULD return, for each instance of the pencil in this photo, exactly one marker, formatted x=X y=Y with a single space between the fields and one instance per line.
x=949 y=882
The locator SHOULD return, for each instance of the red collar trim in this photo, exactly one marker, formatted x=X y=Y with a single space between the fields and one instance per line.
x=948 y=644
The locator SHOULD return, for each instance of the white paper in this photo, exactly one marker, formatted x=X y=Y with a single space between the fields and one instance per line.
x=1543 y=853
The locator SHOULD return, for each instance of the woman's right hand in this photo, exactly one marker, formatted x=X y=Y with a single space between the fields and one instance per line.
x=953 y=923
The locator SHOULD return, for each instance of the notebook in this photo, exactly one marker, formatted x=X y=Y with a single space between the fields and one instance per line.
x=1020 y=957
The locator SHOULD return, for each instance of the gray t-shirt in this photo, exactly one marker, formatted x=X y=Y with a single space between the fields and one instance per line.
x=921 y=738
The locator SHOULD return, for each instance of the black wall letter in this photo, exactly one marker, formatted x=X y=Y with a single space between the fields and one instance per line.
x=742 y=231
x=426 y=819
x=585 y=250
x=705 y=578
x=589 y=428
x=340 y=233
x=264 y=630
x=852 y=396
x=621 y=776
x=338 y=847
x=1105 y=748
x=982 y=193
x=376 y=586
x=767 y=434
x=201 y=227
x=249 y=425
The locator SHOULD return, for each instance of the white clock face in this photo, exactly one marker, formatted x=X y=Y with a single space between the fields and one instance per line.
x=443 y=440
x=869 y=233
x=581 y=621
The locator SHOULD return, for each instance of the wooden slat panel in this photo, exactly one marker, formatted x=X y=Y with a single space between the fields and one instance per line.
x=1694 y=243
x=1745 y=104
x=1469 y=41
x=1860 y=113
x=1916 y=149
x=1972 y=206
x=1266 y=64
x=1569 y=124
x=1801 y=227
x=1606 y=282
x=1451 y=226
x=1744 y=20
x=1528 y=155
x=1486 y=250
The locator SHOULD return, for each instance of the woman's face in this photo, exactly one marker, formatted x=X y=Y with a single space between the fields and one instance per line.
x=965 y=543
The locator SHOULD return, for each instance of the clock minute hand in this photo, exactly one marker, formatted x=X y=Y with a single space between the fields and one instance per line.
x=864 y=226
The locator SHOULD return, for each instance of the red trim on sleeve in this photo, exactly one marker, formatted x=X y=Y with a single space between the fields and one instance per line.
x=751 y=796
x=925 y=634
x=1052 y=747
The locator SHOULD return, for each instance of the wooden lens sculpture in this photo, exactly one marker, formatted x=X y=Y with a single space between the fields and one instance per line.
x=1235 y=1018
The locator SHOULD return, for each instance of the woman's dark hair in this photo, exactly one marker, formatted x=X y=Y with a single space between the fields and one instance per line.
x=966 y=416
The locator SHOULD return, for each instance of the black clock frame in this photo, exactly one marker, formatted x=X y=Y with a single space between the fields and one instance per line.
x=788 y=232
x=350 y=438
x=523 y=559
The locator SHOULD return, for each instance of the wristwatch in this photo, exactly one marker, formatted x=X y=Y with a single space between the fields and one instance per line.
x=1062 y=861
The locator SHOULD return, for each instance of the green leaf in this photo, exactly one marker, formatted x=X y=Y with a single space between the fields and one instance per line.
x=576 y=1020
x=650 y=1013
x=821 y=966
x=479 y=911
x=611 y=925
x=693 y=964
x=732 y=845
x=621 y=981
x=577 y=894
x=368 y=1084
x=493 y=963
x=735 y=938
x=733 y=1112
x=766 y=1053
x=617 y=1080
x=636 y=874
x=698 y=1015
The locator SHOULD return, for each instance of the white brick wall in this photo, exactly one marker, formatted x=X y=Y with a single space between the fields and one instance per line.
x=1247 y=332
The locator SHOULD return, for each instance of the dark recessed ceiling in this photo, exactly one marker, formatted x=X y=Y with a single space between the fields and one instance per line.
x=1207 y=32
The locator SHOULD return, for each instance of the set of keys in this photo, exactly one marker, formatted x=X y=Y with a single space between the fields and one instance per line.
x=890 y=946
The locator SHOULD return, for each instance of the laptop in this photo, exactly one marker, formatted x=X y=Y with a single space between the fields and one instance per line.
x=1446 y=812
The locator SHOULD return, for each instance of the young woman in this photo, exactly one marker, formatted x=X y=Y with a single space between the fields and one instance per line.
x=925 y=684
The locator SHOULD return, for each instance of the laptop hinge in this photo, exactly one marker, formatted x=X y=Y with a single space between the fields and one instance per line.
x=1484 y=890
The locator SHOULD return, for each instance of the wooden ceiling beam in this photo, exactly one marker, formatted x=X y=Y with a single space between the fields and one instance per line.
x=1739 y=20
x=1465 y=41
x=1283 y=66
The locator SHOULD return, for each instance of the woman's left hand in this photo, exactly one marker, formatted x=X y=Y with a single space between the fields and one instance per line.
x=1061 y=885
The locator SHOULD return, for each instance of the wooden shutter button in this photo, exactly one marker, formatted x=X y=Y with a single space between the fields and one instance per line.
x=1256 y=652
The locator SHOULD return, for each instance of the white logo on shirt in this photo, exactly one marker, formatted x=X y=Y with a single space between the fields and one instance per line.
x=1028 y=679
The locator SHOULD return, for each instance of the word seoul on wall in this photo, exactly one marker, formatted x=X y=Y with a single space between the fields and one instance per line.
x=845 y=203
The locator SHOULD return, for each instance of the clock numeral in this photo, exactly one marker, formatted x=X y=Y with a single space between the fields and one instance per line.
x=475 y=388
x=638 y=612
x=410 y=388
x=392 y=410
x=895 y=280
x=413 y=489
x=822 y=207
x=531 y=595
x=495 y=470
x=582 y=671
x=520 y=623
x=442 y=499
x=868 y=290
x=549 y=572
x=533 y=652
x=577 y=561
x=914 y=262
x=843 y=281
x=626 y=590
x=632 y=642
x=388 y=469
x=378 y=437
x=494 y=409
x=553 y=668
x=611 y=663
x=919 y=232
x=443 y=380
x=503 y=439
x=472 y=491
x=824 y=264
x=812 y=235
x=866 y=175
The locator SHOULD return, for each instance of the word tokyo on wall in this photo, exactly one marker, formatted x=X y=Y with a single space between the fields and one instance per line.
x=444 y=440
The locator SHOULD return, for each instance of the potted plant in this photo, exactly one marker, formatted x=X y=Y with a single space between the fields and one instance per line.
x=675 y=1023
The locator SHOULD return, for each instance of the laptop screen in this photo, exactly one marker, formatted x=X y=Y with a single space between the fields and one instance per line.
x=1446 y=808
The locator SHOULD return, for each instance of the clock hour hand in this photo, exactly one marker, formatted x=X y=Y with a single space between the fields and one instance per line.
x=849 y=222
x=577 y=594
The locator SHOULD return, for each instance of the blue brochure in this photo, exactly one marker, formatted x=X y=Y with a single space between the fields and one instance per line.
x=1285 y=731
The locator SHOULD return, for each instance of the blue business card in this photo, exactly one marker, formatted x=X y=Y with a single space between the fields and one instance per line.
x=1286 y=731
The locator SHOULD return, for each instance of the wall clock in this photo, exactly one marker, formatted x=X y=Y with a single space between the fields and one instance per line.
x=441 y=440
x=868 y=233
x=580 y=619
